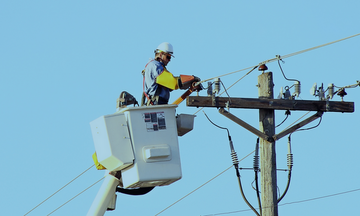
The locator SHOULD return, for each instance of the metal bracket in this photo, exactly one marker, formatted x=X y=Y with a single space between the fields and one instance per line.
x=227 y=104
x=245 y=125
x=297 y=126
x=327 y=105
x=214 y=101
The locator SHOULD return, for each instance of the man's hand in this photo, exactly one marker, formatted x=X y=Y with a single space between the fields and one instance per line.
x=186 y=81
x=196 y=79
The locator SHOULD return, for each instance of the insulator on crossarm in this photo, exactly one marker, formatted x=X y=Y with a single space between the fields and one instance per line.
x=331 y=91
x=297 y=89
x=216 y=86
x=209 y=89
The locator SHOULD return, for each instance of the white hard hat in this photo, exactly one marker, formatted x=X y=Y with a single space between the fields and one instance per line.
x=165 y=47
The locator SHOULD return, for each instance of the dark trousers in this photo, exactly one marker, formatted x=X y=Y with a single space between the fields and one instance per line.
x=159 y=101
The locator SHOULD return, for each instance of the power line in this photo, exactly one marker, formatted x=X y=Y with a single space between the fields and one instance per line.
x=290 y=203
x=60 y=189
x=203 y=185
x=232 y=84
x=316 y=47
x=296 y=121
x=278 y=57
x=321 y=197
x=76 y=196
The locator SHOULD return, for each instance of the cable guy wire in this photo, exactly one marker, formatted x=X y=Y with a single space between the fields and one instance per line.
x=60 y=189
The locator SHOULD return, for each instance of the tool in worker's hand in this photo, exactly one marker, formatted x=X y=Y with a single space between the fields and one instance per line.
x=196 y=86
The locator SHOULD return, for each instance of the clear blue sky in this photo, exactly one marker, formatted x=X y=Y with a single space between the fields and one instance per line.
x=64 y=63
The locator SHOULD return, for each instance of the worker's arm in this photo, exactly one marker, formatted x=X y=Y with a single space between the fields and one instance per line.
x=169 y=81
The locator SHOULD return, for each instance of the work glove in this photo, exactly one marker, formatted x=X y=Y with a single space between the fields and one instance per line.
x=196 y=79
x=186 y=81
x=199 y=87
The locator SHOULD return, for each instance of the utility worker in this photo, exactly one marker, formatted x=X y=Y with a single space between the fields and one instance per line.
x=158 y=81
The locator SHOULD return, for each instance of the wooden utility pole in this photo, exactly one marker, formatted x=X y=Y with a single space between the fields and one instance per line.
x=267 y=106
x=267 y=149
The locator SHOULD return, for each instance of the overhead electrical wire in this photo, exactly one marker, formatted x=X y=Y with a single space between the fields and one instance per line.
x=237 y=71
x=296 y=121
x=290 y=203
x=309 y=49
x=202 y=185
x=304 y=128
x=277 y=58
x=76 y=196
x=284 y=73
x=218 y=126
x=349 y=86
x=290 y=163
x=60 y=189
x=236 y=166
x=290 y=158
x=287 y=113
x=225 y=90
x=256 y=170
x=231 y=85
x=310 y=127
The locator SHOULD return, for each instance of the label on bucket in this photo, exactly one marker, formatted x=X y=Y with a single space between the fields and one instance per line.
x=154 y=121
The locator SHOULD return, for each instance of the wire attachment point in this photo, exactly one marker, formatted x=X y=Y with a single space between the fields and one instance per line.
x=278 y=57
